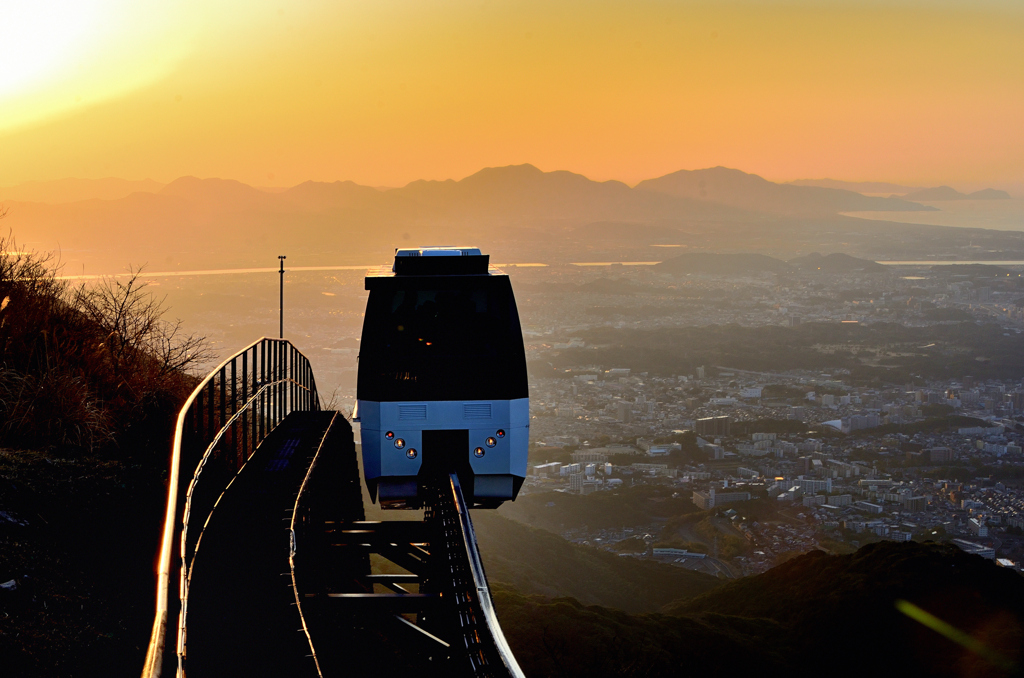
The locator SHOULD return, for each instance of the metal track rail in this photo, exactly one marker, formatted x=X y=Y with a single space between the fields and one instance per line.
x=423 y=606
x=484 y=643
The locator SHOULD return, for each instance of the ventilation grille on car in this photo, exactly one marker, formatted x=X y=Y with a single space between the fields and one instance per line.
x=476 y=411
x=412 y=412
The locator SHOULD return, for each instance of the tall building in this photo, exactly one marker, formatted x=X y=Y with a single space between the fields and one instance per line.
x=713 y=426
x=712 y=498
x=978 y=526
x=940 y=455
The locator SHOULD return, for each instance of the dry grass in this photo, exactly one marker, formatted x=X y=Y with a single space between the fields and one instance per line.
x=85 y=367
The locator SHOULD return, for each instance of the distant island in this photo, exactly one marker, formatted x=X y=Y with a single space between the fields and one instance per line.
x=911 y=193
x=947 y=193
x=858 y=186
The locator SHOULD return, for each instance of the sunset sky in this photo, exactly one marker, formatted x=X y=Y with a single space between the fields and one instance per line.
x=384 y=92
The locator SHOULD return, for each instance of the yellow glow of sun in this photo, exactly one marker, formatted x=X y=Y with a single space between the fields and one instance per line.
x=59 y=55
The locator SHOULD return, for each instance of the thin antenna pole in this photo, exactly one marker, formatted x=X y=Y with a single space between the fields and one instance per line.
x=282 y=258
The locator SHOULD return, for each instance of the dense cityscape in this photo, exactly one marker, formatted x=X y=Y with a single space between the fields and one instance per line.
x=822 y=462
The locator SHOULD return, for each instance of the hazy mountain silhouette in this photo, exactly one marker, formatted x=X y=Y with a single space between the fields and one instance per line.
x=749 y=191
x=947 y=193
x=827 y=602
x=837 y=263
x=523 y=191
x=222 y=195
x=322 y=196
x=202 y=223
x=74 y=190
x=836 y=613
x=722 y=264
x=858 y=186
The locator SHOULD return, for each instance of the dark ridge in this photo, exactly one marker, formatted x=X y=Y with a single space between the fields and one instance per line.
x=836 y=263
x=828 y=603
x=722 y=264
x=535 y=561
x=749 y=191
x=940 y=193
x=813 y=611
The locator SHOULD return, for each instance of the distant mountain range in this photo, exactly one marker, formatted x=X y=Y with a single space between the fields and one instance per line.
x=858 y=186
x=749 y=191
x=946 y=193
x=513 y=191
x=104 y=225
x=912 y=193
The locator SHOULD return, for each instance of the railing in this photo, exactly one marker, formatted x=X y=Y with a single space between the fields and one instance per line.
x=221 y=424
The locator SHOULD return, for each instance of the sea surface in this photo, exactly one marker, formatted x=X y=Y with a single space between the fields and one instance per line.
x=1000 y=215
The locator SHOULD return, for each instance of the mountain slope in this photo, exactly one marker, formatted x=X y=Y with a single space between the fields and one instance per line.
x=722 y=264
x=749 y=191
x=523 y=191
x=812 y=614
x=833 y=604
x=857 y=186
x=941 y=193
x=221 y=195
x=837 y=263
x=538 y=562
x=324 y=196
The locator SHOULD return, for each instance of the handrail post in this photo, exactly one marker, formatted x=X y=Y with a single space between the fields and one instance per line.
x=233 y=409
x=223 y=396
x=263 y=379
x=211 y=408
x=245 y=398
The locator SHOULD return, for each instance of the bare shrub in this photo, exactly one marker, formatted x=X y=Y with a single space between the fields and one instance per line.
x=86 y=366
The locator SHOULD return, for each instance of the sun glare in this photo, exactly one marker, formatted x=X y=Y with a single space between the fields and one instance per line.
x=59 y=55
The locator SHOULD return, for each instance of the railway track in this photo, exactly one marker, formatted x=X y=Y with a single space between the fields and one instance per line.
x=385 y=597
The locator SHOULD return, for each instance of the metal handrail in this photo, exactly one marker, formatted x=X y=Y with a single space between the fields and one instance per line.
x=187 y=565
x=281 y=382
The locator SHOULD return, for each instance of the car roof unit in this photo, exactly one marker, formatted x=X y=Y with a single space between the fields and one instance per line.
x=440 y=261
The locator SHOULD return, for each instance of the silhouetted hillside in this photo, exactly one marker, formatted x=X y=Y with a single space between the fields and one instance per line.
x=834 y=614
x=221 y=194
x=535 y=561
x=92 y=369
x=837 y=263
x=830 y=603
x=323 y=196
x=519 y=191
x=749 y=191
x=722 y=264
x=858 y=186
x=946 y=193
x=561 y=637
x=91 y=381
x=528 y=214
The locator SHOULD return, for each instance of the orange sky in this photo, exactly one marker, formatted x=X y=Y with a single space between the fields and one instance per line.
x=384 y=92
